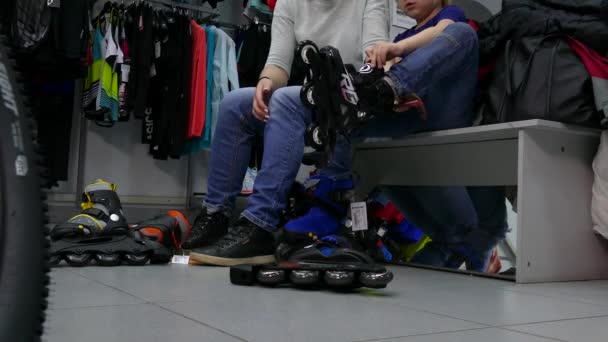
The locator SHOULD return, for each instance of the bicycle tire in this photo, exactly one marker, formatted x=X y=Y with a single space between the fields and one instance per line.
x=23 y=237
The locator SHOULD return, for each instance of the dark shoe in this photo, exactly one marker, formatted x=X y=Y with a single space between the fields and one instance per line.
x=206 y=229
x=245 y=243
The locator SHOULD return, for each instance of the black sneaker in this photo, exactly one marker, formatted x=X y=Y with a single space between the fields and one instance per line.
x=245 y=243
x=206 y=229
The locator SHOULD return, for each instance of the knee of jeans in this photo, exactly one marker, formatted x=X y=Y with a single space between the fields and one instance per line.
x=238 y=100
x=463 y=35
x=285 y=103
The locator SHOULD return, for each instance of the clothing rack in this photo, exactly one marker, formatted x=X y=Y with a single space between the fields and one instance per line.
x=210 y=18
x=199 y=9
x=257 y=17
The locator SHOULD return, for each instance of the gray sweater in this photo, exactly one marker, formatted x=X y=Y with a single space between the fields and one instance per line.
x=348 y=25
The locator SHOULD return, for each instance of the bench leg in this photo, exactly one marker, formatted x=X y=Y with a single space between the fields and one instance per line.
x=555 y=241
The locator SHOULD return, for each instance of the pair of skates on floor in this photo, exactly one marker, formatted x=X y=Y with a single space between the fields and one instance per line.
x=343 y=100
x=100 y=235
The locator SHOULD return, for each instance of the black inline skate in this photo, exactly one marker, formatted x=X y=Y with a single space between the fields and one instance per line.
x=342 y=97
x=328 y=262
x=100 y=233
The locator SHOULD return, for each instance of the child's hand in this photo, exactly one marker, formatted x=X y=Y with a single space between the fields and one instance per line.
x=382 y=52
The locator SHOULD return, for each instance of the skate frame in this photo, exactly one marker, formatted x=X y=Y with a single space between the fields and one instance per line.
x=549 y=162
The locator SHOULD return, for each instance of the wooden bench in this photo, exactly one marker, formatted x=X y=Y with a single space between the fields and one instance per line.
x=549 y=162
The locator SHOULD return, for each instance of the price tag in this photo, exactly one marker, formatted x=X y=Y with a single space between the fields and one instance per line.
x=358 y=211
x=181 y=259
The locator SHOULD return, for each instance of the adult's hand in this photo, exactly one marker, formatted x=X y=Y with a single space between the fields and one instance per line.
x=260 y=100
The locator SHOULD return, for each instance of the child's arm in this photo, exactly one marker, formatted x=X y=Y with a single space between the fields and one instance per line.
x=383 y=51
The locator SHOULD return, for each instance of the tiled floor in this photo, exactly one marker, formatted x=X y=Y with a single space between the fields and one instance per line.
x=194 y=303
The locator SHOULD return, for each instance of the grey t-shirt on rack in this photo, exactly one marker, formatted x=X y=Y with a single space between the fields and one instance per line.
x=348 y=25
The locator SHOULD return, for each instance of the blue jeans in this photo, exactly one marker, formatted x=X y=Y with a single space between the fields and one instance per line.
x=443 y=73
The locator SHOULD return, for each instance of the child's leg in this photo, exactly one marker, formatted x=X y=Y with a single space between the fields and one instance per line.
x=451 y=53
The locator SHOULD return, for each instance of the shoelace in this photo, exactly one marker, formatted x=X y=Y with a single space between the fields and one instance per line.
x=233 y=236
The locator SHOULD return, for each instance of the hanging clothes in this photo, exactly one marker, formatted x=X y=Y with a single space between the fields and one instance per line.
x=253 y=54
x=143 y=52
x=169 y=127
x=225 y=73
x=92 y=82
x=221 y=56
x=204 y=141
x=198 y=104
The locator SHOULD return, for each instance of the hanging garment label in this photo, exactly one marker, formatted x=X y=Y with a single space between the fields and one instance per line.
x=180 y=259
x=358 y=212
x=125 y=69
x=153 y=70
x=157 y=50
x=53 y=3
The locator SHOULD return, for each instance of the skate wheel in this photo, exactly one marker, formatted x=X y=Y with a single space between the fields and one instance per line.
x=306 y=95
x=376 y=280
x=271 y=277
x=78 y=260
x=242 y=275
x=111 y=259
x=304 y=50
x=315 y=138
x=304 y=278
x=54 y=260
x=137 y=259
x=339 y=278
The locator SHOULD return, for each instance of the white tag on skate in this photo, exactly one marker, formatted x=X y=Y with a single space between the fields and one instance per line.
x=180 y=259
x=358 y=212
x=381 y=232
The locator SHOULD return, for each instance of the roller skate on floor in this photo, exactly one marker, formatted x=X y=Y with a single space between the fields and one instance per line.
x=169 y=229
x=342 y=97
x=323 y=208
x=100 y=234
x=328 y=262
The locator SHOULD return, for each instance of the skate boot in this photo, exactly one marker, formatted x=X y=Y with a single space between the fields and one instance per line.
x=100 y=233
x=169 y=229
x=327 y=201
x=328 y=262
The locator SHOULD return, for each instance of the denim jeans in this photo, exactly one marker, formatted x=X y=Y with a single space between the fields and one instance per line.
x=443 y=74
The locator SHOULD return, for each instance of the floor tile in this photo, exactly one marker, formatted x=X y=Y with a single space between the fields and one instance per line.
x=132 y=323
x=480 y=335
x=70 y=290
x=419 y=278
x=162 y=283
x=577 y=330
x=281 y=314
x=594 y=292
x=489 y=302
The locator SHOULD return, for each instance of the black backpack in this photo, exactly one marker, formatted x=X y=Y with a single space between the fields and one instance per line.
x=540 y=78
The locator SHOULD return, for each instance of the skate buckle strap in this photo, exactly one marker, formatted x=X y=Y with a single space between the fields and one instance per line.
x=96 y=213
x=86 y=202
x=412 y=102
